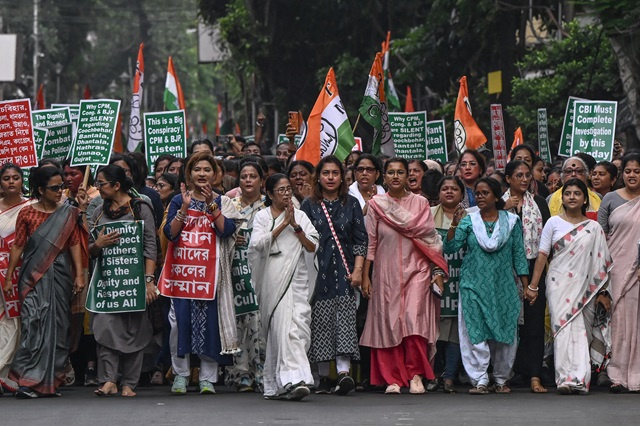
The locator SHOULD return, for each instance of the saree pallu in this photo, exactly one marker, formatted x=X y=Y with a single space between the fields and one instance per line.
x=45 y=286
x=578 y=271
x=624 y=235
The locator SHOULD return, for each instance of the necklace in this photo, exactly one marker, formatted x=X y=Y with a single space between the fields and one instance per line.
x=490 y=224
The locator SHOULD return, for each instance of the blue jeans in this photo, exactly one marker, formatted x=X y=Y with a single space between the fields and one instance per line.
x=452 y=359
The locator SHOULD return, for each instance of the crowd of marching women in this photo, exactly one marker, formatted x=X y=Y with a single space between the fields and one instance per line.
x=272 y=275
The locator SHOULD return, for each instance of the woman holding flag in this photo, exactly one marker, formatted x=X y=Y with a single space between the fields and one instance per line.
x=197 y=276
x=10 y=205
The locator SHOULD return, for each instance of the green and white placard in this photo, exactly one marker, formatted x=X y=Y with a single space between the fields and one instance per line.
x=437 y=141
x=57 y=145
x=409 y=132
x=543 y=135
x=39 y=137
x=164 y=133
x=564 y=148
x=594 y=128
x=96 y=132
x=50 y=117
x=117 y=284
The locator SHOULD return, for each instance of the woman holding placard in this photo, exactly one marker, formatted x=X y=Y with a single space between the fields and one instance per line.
x=48 y=238
x=246 y=372
x=197 y=276
x=10 y=206
x=121 y=335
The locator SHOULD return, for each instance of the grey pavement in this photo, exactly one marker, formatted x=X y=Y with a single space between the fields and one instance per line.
x=156 y=406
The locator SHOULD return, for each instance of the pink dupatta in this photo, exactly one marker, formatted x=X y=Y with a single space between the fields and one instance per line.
x=419 y=228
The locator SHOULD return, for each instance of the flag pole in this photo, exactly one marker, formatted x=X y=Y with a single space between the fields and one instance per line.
x=355 y=126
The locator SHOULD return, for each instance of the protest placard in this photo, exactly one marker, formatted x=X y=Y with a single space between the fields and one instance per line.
x=96 y=132
x=16 y=134
x=564 y=149
x=117 y=284
x=594 y=128
x=437 y=141
x=543 y=136
x=498 y=137
x=449 y=301
x=11 y=300
x=58 y=142
x=164 y=133
x=50 y=117
x=409 y=133
x=39 y=138
x=74 y=110
x=189 y=269
x=284 y=139
x=244 y=296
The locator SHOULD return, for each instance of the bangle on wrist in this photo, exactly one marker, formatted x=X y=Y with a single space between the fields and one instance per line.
x=532 y=289
x=219 y=214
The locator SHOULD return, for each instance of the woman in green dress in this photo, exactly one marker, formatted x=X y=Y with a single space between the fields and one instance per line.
x=489 y=305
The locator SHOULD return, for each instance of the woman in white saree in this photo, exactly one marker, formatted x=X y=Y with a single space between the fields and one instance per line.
x=280 y=236
x=576 y=290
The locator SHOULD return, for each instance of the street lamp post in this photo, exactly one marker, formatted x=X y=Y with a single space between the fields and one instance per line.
x=58 y=70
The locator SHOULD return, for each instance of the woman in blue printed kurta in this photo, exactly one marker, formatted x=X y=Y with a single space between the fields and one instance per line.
x=333 y=304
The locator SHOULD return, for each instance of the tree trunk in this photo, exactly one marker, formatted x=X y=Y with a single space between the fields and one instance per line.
x=630 y=77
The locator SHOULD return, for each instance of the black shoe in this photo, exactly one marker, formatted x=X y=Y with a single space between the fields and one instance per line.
x=617 y=389
x=26 y=393
x=91 y=377
x=297 y=392
x=324 y=387
x=345 y=384
x=433 y=385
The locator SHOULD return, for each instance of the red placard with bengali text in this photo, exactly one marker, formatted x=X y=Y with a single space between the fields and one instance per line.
x=498 y=138
x=191 y=266
x=17 y=145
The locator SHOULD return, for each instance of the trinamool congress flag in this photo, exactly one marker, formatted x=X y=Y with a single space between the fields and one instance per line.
x=466 y=133
x=135 y=124
x=373 y=110
x=328 y=130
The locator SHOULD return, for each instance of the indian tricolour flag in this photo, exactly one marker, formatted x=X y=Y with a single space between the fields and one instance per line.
x=393 y=101
x=135 y=124
x=173 y=98
x=328 y=131
x=373 y=110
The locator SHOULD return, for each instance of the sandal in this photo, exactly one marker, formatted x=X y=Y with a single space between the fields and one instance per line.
x=536 y=386
x=392 y=389
x=479 y=390
x=449 y=387
x=617 y=388
x=502 y=388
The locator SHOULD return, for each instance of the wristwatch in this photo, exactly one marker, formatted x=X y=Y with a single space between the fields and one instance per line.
x=149 y=279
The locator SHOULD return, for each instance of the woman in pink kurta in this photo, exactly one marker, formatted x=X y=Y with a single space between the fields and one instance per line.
x=403 y=316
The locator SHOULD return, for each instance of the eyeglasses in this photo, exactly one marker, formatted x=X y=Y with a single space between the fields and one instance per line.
x=482 y=194
x=283 y=191
x=56 y=188
x=158 y=185
x=469 y=164
x=101 y=183
x=552 y=183
x=571 y=172
x=362 y=169
x=521 y=176
x=396 y=173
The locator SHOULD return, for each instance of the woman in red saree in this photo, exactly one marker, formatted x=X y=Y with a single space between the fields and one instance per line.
x=48 y=237
x=403 y=318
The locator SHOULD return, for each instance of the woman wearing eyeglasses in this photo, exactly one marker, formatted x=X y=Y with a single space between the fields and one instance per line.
x=343 y=244
x=403 y=320
x=281 y=236
x=368 y=172
x=488 y=304
x=48 y=235
x=533 y=213
x=471 y=167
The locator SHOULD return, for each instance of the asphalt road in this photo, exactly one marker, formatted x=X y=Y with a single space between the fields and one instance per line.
x=155 y=405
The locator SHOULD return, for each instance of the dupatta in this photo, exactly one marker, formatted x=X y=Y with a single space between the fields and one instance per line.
x=623 y=238
x=419 y=228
